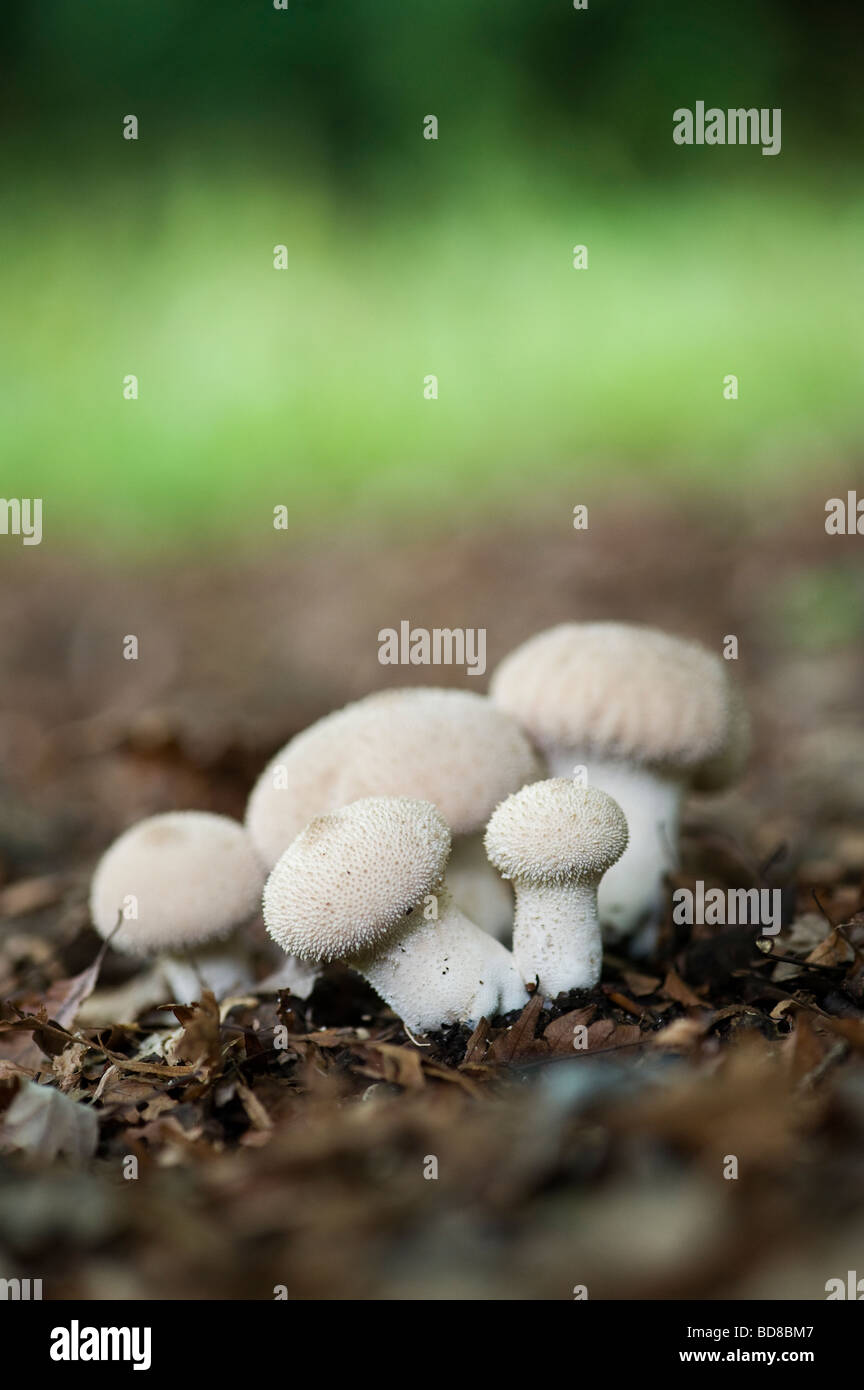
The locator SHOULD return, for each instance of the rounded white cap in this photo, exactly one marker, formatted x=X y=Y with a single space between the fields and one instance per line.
x=179 y=879
x=450 y=747
x=618 y=691
x=556 y=831
x=351 y=879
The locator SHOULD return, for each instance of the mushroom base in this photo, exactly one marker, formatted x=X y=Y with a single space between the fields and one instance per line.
x=556 y=936
x=223 y=969
x=443 y=970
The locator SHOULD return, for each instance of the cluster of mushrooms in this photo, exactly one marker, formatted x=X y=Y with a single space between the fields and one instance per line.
x=393 y=835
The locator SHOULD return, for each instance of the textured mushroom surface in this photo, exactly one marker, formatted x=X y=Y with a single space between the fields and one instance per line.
x=451 y=747
x=350 y=879
x=556 y=839
x=190 y=875
x=621 y=691
x=555 y=831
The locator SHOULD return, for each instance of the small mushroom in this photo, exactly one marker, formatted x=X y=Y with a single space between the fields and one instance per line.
x=450 y=747
x=179 y=885
x=365 y=885
x=647 y=715
x=556 y=840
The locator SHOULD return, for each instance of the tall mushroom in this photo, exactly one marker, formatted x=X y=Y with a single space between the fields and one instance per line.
x=556 y=840
x=365 y=885
x=450 y=747
x=647 y=714
x=180 y=885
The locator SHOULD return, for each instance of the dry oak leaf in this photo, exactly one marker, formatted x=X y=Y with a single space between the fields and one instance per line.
x=63 y=1000
x=639 y=984
x=675 y=988
x=401 y=1066
x=200 y=1042
x=519 y=1041
x=560 y=1034
x=606 y=1034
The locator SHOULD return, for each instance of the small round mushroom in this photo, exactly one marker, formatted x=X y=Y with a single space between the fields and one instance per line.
x=365 y=885
x=647 y=715
x=450 y=747
x=180 y=885
x=556 y=840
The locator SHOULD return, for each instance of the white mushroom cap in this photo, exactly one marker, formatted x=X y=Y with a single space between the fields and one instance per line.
x=450 y=747
x=194 y=875
x=617 y=691
x=351 y=878
x=556 y=832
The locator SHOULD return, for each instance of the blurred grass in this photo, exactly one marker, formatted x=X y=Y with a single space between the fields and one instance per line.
x=305 y=386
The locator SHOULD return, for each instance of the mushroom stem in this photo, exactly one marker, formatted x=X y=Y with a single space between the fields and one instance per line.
x=444 y=970
x=556 y=935
x=223 y=968
x=631 y=892
x=297 y=976
x=477 y=889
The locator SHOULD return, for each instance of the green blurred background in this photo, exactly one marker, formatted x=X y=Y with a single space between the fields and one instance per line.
x=407 y=257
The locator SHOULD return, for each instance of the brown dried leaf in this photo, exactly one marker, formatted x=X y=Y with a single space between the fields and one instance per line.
x=626 y=1004
x=48 y=1037
x=559 y=1033
x=401 y=1066
x=682 y=1034
x=67 y=1065
x=258 y=1117
x=478 y=1044
x=832 y=951
x=639 y=984
x=200 y=1042
x=519 y=1040
x=63 y=1000
x=675 y=988
x=606 y=1034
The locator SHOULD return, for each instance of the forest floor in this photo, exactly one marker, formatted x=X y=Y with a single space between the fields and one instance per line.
x=707 y=1142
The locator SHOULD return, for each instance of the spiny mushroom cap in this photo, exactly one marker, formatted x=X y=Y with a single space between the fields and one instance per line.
x=354 y=876
x=195 y=877
x=617 y=691
x=451 y=747
x=555 y=831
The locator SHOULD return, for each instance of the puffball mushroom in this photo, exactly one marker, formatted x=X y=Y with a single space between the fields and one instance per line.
x=647 y=715
x=556 y=840
x=450 y=747
x=180 y=884
x=363 y=885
